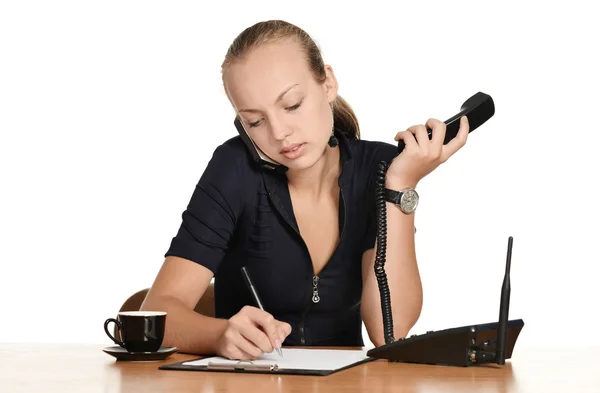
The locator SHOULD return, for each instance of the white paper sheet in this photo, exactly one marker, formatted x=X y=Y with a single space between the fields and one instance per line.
x=297 y=359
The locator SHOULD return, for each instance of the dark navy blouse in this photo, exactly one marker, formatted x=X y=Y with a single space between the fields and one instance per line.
x=240 y=214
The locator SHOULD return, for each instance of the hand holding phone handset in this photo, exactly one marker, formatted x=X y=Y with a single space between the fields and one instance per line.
x=478 y=109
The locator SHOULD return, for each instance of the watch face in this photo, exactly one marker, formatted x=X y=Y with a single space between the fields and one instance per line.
x=409 y=201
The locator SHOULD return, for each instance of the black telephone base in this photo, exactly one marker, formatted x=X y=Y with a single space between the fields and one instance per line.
x=462 y=346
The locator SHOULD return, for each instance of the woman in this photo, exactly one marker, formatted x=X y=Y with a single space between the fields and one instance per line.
x=306 y=236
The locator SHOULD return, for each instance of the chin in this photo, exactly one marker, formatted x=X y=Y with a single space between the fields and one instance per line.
x=299 y=165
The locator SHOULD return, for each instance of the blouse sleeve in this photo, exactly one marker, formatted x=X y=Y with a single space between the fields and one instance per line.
x=209 y=221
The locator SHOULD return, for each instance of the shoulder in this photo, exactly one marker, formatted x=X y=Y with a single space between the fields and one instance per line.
x=230 y=172
x=230 y=158
x=369 y=153
x=226 y=188
x=232 y=150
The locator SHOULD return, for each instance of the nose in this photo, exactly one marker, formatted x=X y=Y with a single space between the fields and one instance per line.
x=279 y=130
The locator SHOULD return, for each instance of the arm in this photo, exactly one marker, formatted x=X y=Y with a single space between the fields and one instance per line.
x=421 y=155
x=402 y=274
x=208 y=228
x=203 y=238
x=177 y=289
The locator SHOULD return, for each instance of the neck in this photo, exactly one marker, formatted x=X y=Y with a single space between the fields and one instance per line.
x=320 y=177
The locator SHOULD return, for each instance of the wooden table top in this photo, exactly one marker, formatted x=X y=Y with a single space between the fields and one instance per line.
x=86 y=368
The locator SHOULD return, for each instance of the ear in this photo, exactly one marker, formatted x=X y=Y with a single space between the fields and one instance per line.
x=330 y=85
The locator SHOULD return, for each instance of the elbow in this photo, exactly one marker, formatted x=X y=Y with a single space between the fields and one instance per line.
x=401 y=329
x=378 y=342
x=378 y=339
x=401 y=332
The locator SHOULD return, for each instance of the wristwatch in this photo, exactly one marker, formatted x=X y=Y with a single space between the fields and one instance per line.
x=406 y=199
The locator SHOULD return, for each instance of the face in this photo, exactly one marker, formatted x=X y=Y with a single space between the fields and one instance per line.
x=284 y=110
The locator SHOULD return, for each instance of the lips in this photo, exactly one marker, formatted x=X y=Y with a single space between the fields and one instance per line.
x=293 y=151
x=290 y=148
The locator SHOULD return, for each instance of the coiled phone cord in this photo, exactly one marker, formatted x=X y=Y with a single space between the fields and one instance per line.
x=384 y=290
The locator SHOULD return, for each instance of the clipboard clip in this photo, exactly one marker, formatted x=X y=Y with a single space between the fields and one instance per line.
x=242 y=365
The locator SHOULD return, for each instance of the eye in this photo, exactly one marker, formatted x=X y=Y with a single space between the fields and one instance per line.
x=294 y=107
x=289 y=108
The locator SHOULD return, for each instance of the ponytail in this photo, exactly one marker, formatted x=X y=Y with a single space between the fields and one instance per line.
x=344 y=118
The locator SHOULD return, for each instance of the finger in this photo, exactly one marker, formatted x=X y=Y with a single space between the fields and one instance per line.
x=458 y=141
x=247 y=348
x=408 y=138
x=257 y=337
x=247 y=326
x=237 y=349
x=438 y=131
x=236 y=344
x=421 y=135
x=268 y=325
x=284 y=330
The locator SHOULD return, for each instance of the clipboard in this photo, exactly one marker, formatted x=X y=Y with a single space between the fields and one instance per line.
x=295 y=361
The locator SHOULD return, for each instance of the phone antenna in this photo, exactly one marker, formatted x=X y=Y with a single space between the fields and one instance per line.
x=504 y=305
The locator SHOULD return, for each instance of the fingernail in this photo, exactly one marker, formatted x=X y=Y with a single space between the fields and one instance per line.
x=277 y=344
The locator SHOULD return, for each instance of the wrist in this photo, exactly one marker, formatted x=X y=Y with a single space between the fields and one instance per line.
x=402 y=193
x=398 y=184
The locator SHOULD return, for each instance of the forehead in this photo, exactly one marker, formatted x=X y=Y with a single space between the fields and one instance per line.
x=265 y=72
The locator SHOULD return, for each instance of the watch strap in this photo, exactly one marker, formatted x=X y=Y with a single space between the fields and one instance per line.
x=392 y=195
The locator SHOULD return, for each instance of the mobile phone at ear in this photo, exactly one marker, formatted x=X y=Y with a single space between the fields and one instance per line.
x=478 y=108
x=258 y=155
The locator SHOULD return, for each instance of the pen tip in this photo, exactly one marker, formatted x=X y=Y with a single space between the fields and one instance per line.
x=279 y=352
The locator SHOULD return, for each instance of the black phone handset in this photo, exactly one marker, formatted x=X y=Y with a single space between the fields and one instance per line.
x=258 y=155
x=478 y=109
x=465 y=345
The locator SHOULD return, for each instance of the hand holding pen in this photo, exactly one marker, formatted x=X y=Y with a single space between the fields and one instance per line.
x=252 y=289
x=251 y=332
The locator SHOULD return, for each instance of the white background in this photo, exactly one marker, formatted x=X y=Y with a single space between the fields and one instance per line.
x=109 y=112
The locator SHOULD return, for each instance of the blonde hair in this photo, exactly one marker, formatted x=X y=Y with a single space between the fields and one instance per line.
x=273 y=30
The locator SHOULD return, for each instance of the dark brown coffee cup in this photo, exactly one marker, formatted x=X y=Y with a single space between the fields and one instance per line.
x=140 y=331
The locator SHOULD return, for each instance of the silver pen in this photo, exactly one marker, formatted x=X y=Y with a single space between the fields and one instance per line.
x=255 y=295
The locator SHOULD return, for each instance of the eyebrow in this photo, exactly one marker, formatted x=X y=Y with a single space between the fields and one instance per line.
x=276 y=101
